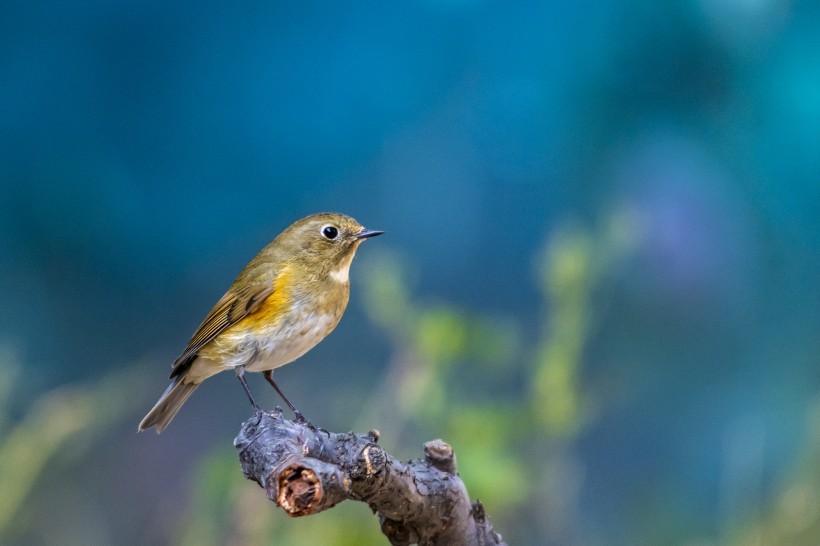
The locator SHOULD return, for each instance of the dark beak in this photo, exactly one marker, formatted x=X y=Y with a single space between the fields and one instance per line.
x=365 y=233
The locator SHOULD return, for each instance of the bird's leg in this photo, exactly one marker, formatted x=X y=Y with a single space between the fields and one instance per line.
x=298 y=414
x=240 y=374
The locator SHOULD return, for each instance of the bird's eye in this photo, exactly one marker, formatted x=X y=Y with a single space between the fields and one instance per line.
x=330 y=232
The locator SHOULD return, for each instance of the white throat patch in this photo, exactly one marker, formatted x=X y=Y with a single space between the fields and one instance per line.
x=342 y=274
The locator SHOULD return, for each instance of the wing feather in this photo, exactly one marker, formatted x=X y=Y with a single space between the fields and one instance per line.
x=230 y=309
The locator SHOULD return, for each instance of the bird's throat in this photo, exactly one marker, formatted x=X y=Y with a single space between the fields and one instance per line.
x=342 y=272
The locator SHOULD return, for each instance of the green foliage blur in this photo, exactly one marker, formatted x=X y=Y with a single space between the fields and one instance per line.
x=514 y=412
x=599 y=279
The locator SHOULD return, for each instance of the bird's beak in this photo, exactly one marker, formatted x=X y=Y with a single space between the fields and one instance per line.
x=365 y=233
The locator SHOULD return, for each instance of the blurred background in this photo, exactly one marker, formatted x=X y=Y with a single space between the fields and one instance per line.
x=599 y=281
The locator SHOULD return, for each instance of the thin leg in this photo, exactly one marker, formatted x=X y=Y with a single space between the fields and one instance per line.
x=269 y=377
x=240 y=374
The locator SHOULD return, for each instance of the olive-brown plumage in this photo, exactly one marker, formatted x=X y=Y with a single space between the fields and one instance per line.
x=286 y=300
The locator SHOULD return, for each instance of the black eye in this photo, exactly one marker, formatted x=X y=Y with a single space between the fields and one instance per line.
x=330 y=232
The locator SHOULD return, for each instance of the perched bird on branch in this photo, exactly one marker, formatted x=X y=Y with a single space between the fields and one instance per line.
x=285 y=301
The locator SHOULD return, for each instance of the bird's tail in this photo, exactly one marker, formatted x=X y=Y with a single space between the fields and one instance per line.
x=168 y=405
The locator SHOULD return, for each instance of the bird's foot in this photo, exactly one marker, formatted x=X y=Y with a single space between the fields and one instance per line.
x=300 y=419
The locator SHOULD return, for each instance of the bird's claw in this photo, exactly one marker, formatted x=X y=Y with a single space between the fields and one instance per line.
x=300 y=419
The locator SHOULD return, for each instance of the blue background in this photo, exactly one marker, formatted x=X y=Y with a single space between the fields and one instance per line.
x=148 y=150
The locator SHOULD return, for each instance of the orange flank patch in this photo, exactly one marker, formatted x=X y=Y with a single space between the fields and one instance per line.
x=274 y=307
x=227 y=349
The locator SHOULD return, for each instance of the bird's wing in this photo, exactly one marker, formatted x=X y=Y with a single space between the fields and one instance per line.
x=230 y=309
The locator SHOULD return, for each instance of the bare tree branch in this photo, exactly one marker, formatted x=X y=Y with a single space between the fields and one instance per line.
x=306 y=470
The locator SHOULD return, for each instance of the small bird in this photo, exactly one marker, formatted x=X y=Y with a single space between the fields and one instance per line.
x=286 y=300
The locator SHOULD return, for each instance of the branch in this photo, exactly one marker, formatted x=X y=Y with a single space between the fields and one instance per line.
x=306 y=470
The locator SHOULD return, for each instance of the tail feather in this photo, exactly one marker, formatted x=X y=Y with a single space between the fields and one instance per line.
x=168 y=405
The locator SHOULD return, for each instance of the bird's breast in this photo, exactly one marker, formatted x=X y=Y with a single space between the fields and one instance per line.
x=274 y=336
x=278 y=346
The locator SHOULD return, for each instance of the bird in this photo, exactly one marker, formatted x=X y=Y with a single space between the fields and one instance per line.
x=285 y=301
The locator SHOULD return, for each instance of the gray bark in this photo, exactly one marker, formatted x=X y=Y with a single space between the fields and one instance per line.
x=305 y=470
